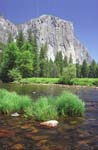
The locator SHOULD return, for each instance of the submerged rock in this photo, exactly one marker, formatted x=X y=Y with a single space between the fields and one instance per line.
x=15 y=114
x=50 y=123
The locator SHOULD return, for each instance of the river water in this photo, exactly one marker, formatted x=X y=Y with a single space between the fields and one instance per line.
x=71 y=133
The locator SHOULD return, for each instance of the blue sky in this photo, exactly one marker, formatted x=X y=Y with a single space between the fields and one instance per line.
x=83 y=14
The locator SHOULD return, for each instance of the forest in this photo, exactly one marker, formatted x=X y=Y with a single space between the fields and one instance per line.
x=22 y=58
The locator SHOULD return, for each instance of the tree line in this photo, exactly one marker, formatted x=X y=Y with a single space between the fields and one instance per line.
x=23 y=58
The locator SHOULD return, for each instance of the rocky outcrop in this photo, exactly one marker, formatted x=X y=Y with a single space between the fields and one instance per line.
x=6 y=27
x=56 y=32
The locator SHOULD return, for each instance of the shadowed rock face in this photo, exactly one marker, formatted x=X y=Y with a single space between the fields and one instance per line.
x=57 y=33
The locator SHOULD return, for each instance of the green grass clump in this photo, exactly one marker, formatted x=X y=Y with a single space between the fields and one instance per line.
x=44 y=109
x=40 y=80
x=69 y=104
x=11 y=102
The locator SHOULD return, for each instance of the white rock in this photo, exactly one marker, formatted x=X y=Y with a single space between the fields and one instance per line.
x=15 y=114
x=50 y=123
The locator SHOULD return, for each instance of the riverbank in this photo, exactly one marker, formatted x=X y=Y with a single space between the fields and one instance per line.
x=75 y=81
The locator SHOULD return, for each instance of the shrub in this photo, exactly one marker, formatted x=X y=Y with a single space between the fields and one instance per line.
x=68 y=73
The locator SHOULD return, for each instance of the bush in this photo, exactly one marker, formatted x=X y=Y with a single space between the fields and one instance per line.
x=68 y=74
x=14 y=75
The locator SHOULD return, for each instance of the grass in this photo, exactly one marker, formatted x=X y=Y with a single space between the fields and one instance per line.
x=74 y=81
x=85 y=81
x=11 y=102
x=45 y=108
x=67 y=104
x=39 y=80
x=70 y=104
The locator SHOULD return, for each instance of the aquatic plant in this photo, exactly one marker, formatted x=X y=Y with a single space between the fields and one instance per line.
x=11 y=102
x=44 y=108
x=69 y=104
x=54 y=107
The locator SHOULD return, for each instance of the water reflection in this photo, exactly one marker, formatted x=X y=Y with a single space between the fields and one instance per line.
x=71 y=133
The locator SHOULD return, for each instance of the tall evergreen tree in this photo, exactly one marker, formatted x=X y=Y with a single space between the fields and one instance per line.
x=9 y=61
x=43 y=60
x=78 y=70
x=24 y=63
x=65 y=61
x=32 y=40
x=20 y=39
x=59 y=62
x=84 y=69
x=92 y=69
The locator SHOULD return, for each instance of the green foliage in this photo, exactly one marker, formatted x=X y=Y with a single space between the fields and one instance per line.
x=69 y=104
x=10 y=54
x=59 y=62
x=78 y=70
x=44 y=110
x=85 y=81
x=14 y=75
x=43 y=61
x=92 y=69
x=10 y=102
x=39 y=80
x=84 y=69
x=68 y=73
x=24 y=63
x=20 y=40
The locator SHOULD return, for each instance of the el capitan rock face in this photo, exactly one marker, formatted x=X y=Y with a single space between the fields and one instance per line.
x=56 y=32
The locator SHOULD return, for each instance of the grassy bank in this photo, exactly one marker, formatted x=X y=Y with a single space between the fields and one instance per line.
x=40 y=80
x=75 y=81
x=85 y=81
x=45 y=108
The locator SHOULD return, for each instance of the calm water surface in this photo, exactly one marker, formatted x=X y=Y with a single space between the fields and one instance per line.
x=71 y=133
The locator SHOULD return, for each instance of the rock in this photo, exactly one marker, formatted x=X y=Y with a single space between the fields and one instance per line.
x=6 y=133
x=50 y=123
x=17 y=147
x=56 y=32
x=15 y=114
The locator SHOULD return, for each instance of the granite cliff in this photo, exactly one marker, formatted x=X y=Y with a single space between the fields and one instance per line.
x=56 y=32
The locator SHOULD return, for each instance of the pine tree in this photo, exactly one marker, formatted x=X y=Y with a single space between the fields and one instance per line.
x=92 y=69
x=9 y=61
x=59 y=62
x=78 y=70
x=84 y=69
x=20 y=40
x=65 y=62
x=43 y=60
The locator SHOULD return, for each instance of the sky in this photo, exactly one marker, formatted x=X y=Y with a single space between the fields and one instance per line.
x=82 y=13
